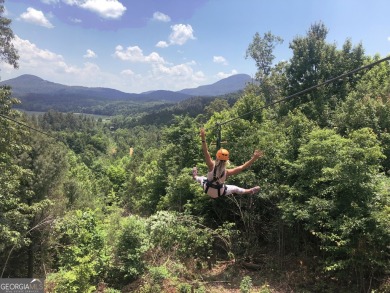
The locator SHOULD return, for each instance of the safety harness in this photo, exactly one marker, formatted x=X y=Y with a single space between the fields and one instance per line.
x=215 y=183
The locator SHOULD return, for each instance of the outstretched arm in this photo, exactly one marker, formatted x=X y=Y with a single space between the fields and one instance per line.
x=257 y=154
x=207 y=157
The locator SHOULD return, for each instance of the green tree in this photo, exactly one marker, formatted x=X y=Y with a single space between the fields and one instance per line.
x=42 y=189
x=217 y=105
x=179 y=235
x=368 y=106
x=8 y=52
x=297 y=128
x=184 y=137
x=11 y=144
x=78 y=239
x=178 y=192
x=83 y=187
x=333 y=191
x=261 y=51
x=248 y=107
x=315 y=61
x=146 y=184
x=130 y=248
x=179 y=148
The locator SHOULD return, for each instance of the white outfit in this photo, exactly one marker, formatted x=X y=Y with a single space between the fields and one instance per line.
x=213 y=192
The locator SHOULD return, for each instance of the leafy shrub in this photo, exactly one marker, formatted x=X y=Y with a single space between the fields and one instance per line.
x=179 y=234
x=74 y=280
x=246 y=284
x=158 y=274
x=80 y=250
x=184 y=288
x=131 y=245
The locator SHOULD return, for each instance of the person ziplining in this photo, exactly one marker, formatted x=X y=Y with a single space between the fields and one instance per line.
x=214 y=183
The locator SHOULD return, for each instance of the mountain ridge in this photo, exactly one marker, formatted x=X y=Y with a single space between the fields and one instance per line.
x=28 y=83
x=36 y=93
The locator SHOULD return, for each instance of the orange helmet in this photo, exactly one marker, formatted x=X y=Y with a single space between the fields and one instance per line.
x=223 y=155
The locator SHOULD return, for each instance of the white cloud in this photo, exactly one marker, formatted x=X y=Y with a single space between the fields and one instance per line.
x=176 y=77
x=220 y=60
x=135 y=54
x=176 y=70
x=127 y=72
x=32 y=57
x=53 y=67
x=225 y=75
x=192 y=62
x=184 y=71
x=75 y=20
x=164 y=75
x=180 y=34
x=162 y=44
x=29 y=51
x=161 y=77
x=104 y=8
x=388 y=38
x=159 y=16
x=50 y=1
x=35 y=17
x=90 y=54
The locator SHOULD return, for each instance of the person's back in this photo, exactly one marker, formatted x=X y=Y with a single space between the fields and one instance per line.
x=216 y=181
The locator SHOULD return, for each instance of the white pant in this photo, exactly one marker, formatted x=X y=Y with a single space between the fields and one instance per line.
x=230 y=189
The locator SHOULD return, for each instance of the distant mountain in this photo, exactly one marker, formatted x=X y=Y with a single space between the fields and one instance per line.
x=27 y=84
x=39 y=94
x=225 y=86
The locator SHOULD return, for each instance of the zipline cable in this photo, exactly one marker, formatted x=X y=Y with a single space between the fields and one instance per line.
x=219 y=124
x=308 y=89
x=29 y=127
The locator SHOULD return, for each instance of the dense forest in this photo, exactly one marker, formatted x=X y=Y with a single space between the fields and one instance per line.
x=95 y=205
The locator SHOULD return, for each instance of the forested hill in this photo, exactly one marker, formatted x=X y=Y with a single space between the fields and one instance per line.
x=94 y=205
x=37 y=94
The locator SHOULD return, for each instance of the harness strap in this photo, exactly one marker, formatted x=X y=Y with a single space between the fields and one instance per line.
x=215 y=186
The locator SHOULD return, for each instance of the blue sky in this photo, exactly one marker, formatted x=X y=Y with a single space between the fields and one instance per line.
x=141 y=45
